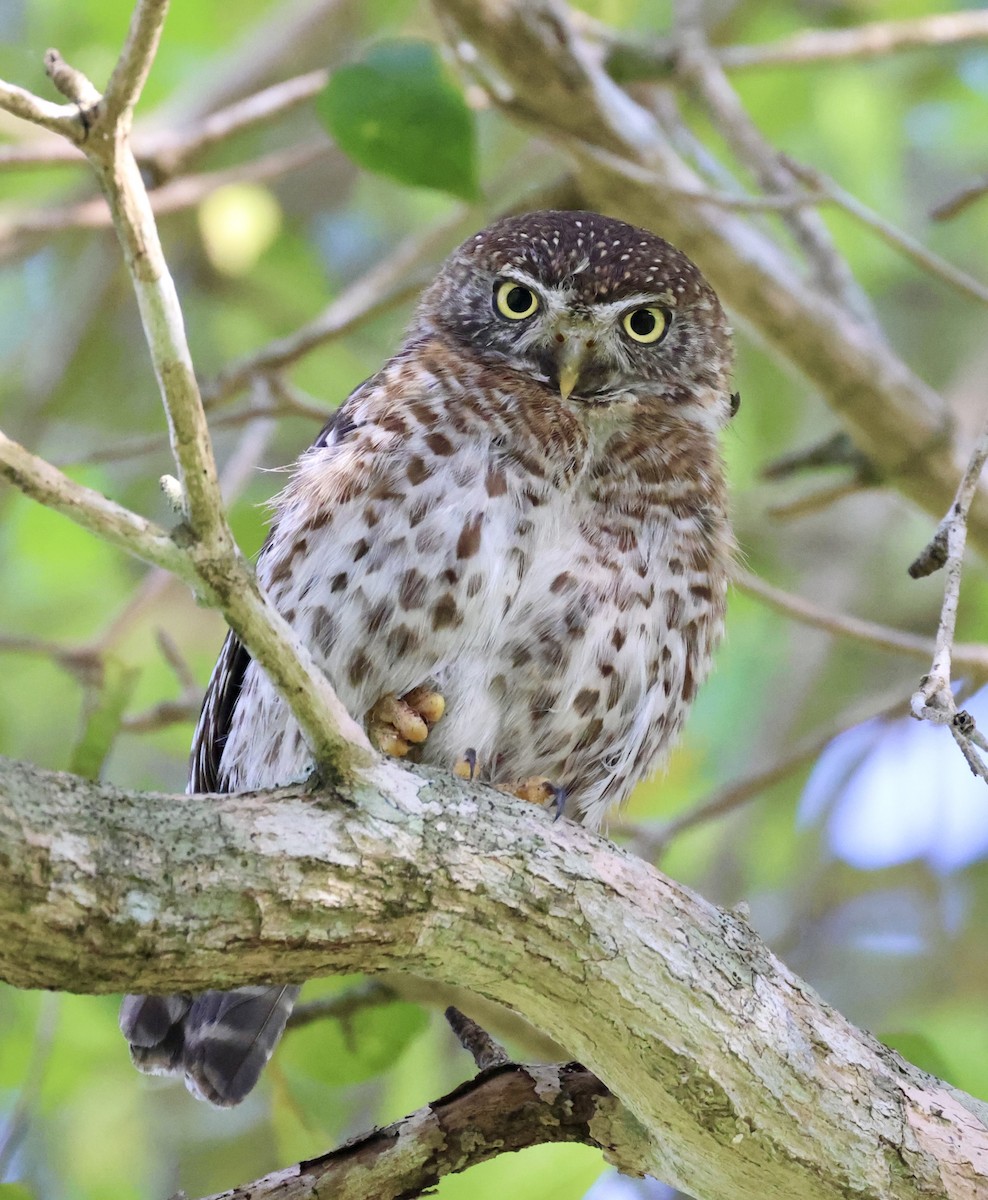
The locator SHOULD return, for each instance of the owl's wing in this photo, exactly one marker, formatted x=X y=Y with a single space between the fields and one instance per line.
x=219 y=1041
x=226 y=681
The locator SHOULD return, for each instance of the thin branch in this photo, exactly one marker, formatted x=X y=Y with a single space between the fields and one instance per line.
x=630 y=59
x=164 y=152
x=20 y=234
x=960 y=200
x=696 y=66
x=183 y=711
x=40 y=152
x=817 y=500
x=316 y=31
x=72 y=84
x=914 y=250
x=388 y=283
x=871 y=40
x=59 y=118
x=167 y=150
x=343 y=1005
x=93 y=511
x=83 y=663
x=971 y=657
x=134 y=64
x=934 y=700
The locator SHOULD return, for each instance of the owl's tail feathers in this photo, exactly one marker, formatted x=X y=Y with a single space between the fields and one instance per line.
x=220 y=1041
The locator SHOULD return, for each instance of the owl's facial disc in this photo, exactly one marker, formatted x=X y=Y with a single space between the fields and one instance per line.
x=587 y=348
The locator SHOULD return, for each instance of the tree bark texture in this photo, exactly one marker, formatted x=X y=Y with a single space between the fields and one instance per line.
x=745 y=1085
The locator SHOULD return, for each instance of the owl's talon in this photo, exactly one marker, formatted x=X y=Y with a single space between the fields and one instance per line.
x=396 y=723
x=429 y=705
x=536 y=789
x=388 y=742
x=466 y=767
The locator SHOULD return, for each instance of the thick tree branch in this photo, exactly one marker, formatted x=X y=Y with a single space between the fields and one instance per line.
x=542 y=73
x=747 y=1085
x=505 y=1109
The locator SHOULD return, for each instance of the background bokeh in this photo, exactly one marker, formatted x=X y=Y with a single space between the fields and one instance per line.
x=864 y=867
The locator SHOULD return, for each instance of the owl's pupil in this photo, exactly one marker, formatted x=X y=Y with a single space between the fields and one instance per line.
x=519 y=299
x=642 y=322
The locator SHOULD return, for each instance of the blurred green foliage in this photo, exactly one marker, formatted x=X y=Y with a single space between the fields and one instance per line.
x=398 y=112
x=900 y=950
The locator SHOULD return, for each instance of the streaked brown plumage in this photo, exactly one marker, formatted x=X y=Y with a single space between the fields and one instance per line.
x=524 y=511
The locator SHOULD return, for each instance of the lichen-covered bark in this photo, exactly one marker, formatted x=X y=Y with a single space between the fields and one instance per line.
x=503 y=1110
x=746 y=1085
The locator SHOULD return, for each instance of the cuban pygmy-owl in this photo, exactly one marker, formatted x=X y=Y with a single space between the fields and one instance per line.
x=523 y=512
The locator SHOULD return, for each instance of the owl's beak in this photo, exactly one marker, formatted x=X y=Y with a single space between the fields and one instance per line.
x=569 y=364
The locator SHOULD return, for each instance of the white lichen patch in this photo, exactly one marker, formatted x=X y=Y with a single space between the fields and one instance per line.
x=140 y=907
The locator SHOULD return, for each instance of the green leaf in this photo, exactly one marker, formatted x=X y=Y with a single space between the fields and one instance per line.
x=398 y=113
x=103 y=719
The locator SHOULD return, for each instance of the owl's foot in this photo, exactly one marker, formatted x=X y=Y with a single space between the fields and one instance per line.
x=396 y=723
x=536 y=789
x=466 y=767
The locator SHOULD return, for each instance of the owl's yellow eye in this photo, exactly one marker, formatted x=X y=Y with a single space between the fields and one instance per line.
x=515 y=302
x=645 y=324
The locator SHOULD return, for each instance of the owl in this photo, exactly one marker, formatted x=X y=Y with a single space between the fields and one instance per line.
x=508 y=550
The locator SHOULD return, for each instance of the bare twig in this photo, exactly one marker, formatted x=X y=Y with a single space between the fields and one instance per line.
x=40 y=152
x=164 y=152
x=817 y=500
x=93 y=511
x=310 y=32
x=168 y=151
x=59 y=118
x=394 y=279
x=133 y=66
x=81 y=662
x=915 y=251
x=343 y=1005
x=835 y=451
x=958 y=202
x=934 y=700
x=20 y=234
x=971 y=657
x=486 y=1052
x=698 y=67
x=870 y=40
x=630 y=59
x=71 y=83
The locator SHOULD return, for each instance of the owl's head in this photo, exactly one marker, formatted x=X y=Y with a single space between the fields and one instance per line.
x=593 y=308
